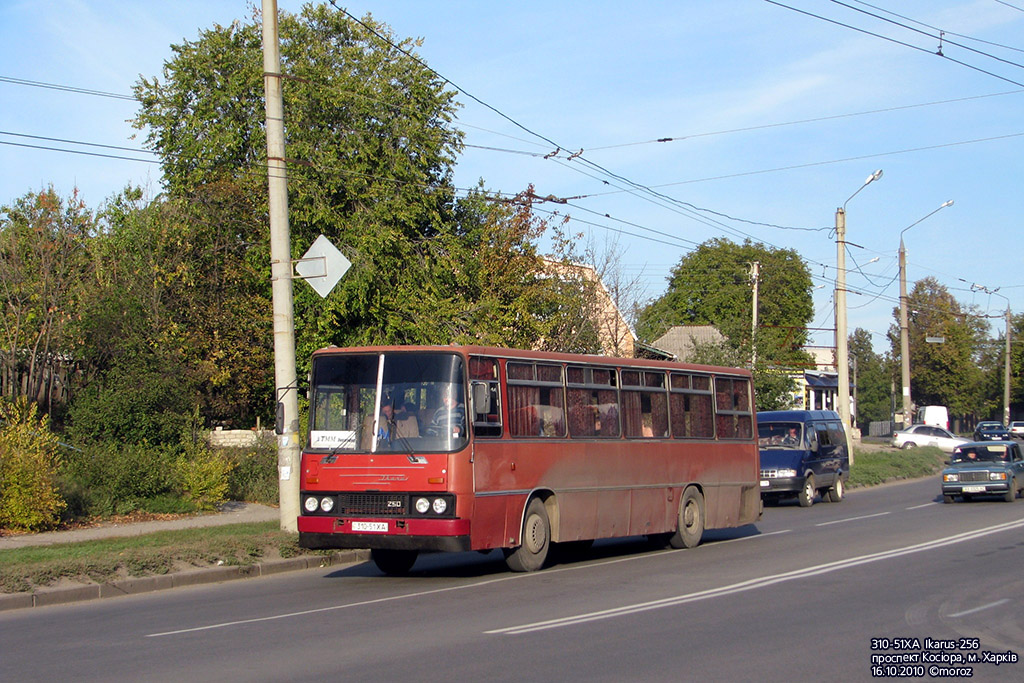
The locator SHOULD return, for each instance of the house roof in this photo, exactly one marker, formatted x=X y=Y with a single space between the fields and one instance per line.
x=681 y=339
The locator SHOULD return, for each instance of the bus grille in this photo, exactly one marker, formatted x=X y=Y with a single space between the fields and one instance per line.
x=372 y=504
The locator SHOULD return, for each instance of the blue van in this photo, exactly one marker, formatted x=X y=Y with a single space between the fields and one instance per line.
x=803 y=452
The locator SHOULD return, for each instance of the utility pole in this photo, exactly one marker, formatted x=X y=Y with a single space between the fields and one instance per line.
x=288 y=452
x=842 y=343
x=755 y=273
x=904 y=337
x=1006 y=378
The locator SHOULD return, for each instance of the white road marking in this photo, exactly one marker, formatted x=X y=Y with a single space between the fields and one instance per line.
x=852 y=519
x=752 y=584
x=978 y=609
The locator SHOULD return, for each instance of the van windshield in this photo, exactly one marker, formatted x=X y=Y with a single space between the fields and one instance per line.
x=780 y=435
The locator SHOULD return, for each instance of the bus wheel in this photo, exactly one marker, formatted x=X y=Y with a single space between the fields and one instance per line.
x=835 y=494
x=691 y=520
x=536 y=540
x=393 y=562
x=806 y=495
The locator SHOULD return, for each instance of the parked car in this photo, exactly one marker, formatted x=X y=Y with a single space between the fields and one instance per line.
x=1017 y=430
x=984 y=468
x=991 y=431
x=927 y=435
x=803 y=453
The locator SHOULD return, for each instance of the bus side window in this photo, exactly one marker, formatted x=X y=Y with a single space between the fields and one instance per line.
x=485 y=396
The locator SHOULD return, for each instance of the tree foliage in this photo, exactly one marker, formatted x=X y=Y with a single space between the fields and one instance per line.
x=872 y=379
x=946 y=373
x=712 y=286
x=42 y=266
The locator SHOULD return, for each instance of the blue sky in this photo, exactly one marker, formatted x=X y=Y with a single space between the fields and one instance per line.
x=776 y=119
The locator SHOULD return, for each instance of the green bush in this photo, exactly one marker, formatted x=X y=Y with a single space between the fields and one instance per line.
x=254 y=476
x=203 y=475
x=116 y=479
x=29 y=497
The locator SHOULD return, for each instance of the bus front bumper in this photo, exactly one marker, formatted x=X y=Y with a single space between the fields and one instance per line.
x=322 y=533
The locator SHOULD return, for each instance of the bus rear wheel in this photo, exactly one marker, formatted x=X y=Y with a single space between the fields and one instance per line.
x=393 y=562
x=691 y=520
x=535 y=541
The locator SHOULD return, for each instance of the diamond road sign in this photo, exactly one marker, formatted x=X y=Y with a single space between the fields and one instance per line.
x=322 y=266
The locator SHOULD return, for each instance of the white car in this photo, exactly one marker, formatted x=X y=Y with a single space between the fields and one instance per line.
x=927 y=435
x=1017 y=430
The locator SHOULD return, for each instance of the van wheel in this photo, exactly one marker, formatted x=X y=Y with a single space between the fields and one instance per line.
x=393 y=562
x=535 y=541
x=691 y=520
x=836 y=493
x=806 y=495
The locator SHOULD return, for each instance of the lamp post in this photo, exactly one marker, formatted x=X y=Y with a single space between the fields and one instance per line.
x=842 y=343
x=904 y=335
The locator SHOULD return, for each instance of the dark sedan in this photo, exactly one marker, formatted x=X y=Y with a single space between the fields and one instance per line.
x=994 y=468
x=991 y=431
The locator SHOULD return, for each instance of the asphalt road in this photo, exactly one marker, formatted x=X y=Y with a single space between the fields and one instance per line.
x=805 y=594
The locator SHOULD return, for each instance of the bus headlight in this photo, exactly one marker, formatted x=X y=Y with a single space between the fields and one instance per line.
x=311 y=504
x=422 y=505
x=440 y=505
x=327 y=504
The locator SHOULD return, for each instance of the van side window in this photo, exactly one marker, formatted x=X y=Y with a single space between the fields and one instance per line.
x=836 y=435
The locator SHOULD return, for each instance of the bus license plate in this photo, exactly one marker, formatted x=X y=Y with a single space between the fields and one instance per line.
x=974 y=489
x=370 y=526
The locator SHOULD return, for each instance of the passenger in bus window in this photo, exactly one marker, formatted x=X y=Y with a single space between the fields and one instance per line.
x=450 y=418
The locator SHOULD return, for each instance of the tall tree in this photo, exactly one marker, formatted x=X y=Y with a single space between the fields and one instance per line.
x=42 y=268
x=945 y=373
x=872 y=379
x=712 y=286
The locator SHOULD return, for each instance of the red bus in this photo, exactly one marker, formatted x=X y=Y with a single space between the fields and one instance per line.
x=454 y=448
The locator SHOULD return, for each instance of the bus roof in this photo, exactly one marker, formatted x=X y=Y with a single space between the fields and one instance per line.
x=535 y=355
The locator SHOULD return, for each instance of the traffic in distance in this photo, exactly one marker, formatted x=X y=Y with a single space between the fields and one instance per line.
x=456 y=448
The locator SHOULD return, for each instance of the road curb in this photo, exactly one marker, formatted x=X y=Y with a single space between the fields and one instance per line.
x=148 y=584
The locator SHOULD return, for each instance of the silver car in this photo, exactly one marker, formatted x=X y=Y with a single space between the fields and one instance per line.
x=927 y=435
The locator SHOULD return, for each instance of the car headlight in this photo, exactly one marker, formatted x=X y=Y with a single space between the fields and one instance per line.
x=950 y=477
x=327 y=504
x=997 y=476
x=311 y=504
x=786 y=473
x=422 y=505
x=440 y=505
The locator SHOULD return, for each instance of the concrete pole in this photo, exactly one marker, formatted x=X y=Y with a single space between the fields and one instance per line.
x=842 y=342
x=755 y=274
x=1006 y=378
x=904 y=338
x=288 y=450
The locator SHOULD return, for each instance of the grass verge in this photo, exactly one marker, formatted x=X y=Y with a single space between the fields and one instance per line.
x=25 y=569
x=873 y=467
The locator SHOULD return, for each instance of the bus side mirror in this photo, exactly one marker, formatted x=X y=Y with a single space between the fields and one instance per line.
x=481 y=396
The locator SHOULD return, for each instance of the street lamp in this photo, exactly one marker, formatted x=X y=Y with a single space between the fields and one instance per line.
x=842 y=344
x=904 y=335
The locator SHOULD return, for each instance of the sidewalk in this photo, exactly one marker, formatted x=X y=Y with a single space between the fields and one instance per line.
x=230 y=513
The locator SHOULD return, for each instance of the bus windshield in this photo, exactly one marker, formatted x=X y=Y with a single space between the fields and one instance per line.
x=388 y=402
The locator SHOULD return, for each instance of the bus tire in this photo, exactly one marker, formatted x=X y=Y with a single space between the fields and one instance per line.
x=806 y=495
x=691 y=520
x=535 y=541
x=393 y=562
